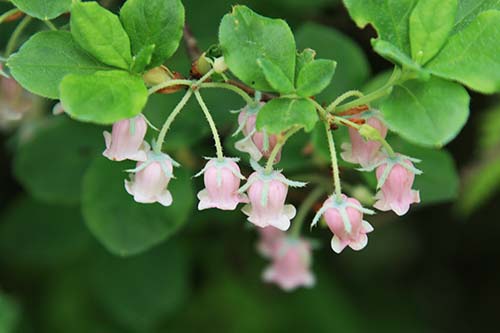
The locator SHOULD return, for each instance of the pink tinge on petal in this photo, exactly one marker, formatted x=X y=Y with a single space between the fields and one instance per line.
x=365 y=153
x=126 y=142
x=269 y=241
x=396 y=193
x=258 y=139
x=150 y=184
x=221 y=186
x=291 y=265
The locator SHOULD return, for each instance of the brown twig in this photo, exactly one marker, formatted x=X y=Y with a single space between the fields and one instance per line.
x=355 y=110
x=191 y=43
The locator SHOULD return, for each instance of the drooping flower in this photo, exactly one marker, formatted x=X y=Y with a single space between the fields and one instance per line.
x=269 y=241
x=149 y=180
x=126 y=140
x=291 y=264
x=360 y=151
x=256 y=143
x=222 y=181
x=267 y=194
x=395 y=180
x=344 y=217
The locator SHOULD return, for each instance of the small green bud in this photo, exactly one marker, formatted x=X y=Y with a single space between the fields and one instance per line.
x=220 y=65
x=156 y=76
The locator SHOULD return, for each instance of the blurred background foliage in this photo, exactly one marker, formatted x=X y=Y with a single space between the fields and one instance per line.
x=435 y=270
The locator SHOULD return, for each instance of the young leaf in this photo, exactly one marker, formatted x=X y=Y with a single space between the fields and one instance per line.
x=124 y=226
x=43 y=9
x=154 y=22
x=395 y=55
x=315 y=77
x=303 y=58
x=57 y=179
x=353 y=69
x=281 y=114
x=390 y=18
x=103 y=97
x=246 y=36
x=471 y=56
x=142 y=59
x=46 y=58
x=469 y=9
x=428 y=113
x=430 y=25
x=275 y=76
x=100 y=33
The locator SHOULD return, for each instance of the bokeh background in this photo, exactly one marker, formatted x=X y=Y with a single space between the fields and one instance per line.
x=434 y=270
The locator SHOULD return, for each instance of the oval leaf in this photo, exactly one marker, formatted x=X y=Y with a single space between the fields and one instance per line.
x=103 y=97
x=315 y=77
x=124 y=226
x=275 y=76
x=246 y=37
x=428 y=113
x=281 y=114
x=46 y=58
x=43 y=9
x=154 y=22
x=100 y=33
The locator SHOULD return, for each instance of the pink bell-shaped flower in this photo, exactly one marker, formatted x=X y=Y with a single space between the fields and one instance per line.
x=360 y=151
x=291 y=264
x=126 y=140
x=149 y=181
x=395 y=180
x=256 y=143
x=267 y=194
x=269 y=241
x=344 y=217
x=222 y=181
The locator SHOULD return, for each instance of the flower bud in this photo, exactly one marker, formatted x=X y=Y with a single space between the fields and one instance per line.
x=291 y=264
x=222 y=181
x=269 y=241
x=201 y=66
x=365 y=153
x=344 y=217
x=126 y=140
x=267 y=194
x=156 y=76
x=395 y=177
x=220 y=65
x=256 y=143
x=150 y=179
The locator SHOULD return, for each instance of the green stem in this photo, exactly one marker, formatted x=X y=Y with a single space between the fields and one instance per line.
x=169 y=83
x=377 y=94
x=343 y=97
x=204 y=77
x=304 y=209
x=11 y=45
x=170 y=120
x=335 y=164
x=249 y=100
x=8 y=14
x=50 y=25
x=213 y=128
x=281 y=142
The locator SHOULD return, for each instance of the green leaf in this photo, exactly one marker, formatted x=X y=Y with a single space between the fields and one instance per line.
x=427 y=113
x=315 y=77
x=43 y=9
x=9 y=314
x=471 y=56
x=38 y=236
x=275 y=76
x=46 y=58
x=100 y=33
x=57 y=178
x=469 y=9
x=389 y=17
x=440 y=180
x=395 y=55
x=303 y=58
x=246 y=36
x=103 y=97
x=430 y=25
x=141 y=292
x=142 y=59
x=353 y=68
x=154 y=22
x=281 y=114
x=122 y=225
